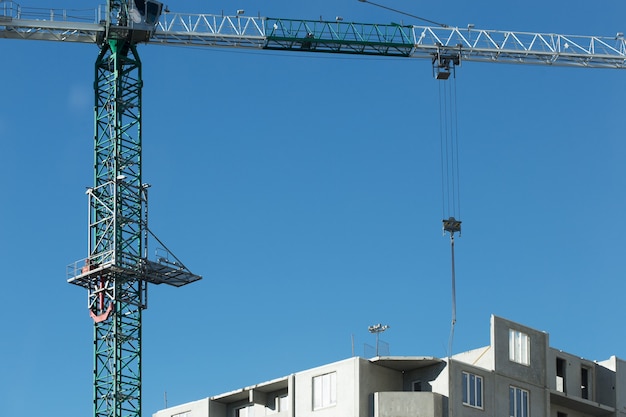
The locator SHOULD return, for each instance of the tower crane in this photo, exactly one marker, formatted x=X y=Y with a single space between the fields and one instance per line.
x=118 y=268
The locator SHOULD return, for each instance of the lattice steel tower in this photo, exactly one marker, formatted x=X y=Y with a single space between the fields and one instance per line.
x=117 y=270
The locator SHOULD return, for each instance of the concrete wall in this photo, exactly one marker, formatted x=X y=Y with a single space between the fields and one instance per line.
x=426 y=375
x=347 y=399
x=538 y=398
x=407 y=404
x=618 y=367
x=215 y=409
x=481 y=357
x=455 y=400
x=620 y=385
x=605 y=390
x=200 y=408
x=568 y=411
x=601 y=379
x=373 y=378
x=535 y=373
x=532 y=377
x=441 y=384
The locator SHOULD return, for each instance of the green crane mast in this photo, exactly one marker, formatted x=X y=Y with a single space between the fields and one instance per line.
x=117 y=270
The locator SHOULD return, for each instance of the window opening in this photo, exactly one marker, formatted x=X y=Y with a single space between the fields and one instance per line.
x=518 y=402
x=247 y=411
x=472 y=390
x=561 y=364
x=282 y=403
x=519 y=347
x=585 y=389
x=324 y=390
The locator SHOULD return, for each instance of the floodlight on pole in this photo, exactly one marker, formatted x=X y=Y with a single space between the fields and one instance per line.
x=377 y=329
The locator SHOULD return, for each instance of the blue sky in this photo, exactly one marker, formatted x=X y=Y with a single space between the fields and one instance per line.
x=306 y=190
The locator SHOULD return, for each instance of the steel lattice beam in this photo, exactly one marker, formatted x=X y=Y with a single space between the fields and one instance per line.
x=209 y=30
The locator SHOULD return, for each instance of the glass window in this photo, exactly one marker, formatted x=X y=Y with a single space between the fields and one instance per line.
x=518 y=402
x=324 y=390
x=519 y=347
x=472 y=390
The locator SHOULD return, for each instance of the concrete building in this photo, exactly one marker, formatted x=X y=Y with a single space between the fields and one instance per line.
x=518 y=373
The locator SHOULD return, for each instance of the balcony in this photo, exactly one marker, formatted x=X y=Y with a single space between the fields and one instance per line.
x=586 y=407
x=408 y=404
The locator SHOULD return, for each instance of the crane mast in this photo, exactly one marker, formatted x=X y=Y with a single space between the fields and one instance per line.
x=117 y=269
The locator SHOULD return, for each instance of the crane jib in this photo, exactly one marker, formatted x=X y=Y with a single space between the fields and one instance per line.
x=209 y=30
x=240 y=31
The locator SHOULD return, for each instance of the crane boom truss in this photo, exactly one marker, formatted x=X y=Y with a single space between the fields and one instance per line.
x=339 y=37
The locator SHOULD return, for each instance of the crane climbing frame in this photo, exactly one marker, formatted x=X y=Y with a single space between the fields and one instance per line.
x=117 y=270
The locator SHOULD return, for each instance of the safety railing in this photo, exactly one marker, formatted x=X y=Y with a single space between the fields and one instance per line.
x=13 y=10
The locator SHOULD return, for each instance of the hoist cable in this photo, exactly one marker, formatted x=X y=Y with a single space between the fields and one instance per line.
x=449 y=163
x=449 y=144
x=443 y=25
x=453 y=322
x=450 y=180
x=442 y=152
x=456 y=153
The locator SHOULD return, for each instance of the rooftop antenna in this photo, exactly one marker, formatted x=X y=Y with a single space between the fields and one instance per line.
x=377 y=329
x=352 y=340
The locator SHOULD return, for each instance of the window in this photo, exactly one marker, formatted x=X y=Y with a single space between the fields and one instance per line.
x=560 y=414
x=585 y=383
x=417 y=386
x=561 y=364
x=519 y=347
x=518 y=402
x=324 y=390
x=247 y=411
x=472 y=390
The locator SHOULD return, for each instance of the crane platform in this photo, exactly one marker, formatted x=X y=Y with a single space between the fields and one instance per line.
x=161 y=271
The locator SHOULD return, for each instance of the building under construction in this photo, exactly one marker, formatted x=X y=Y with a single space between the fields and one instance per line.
x=518 y=373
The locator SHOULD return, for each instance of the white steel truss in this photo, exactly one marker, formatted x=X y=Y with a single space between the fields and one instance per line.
x=469 y=44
